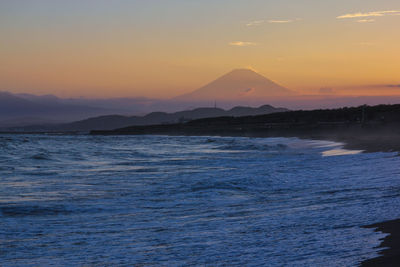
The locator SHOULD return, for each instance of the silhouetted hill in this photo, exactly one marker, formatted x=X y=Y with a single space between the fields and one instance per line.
x=374 y=128
x=117 y=121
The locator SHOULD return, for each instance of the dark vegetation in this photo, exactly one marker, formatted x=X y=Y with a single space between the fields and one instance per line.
x=110 y=122
x=373 y=128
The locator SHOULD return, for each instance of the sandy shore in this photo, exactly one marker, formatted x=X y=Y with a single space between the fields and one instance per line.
x=390 y=257
x=374 y=142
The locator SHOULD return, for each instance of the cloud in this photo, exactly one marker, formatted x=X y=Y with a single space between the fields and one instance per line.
x=369 y=14
x=251 y=68
x=280 y=21
x=365 y=20
x=242 y=44
x=382 y=86
x=255 y=23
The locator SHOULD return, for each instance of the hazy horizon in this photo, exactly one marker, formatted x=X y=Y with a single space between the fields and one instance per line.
x=162 y=49
x=380 y=90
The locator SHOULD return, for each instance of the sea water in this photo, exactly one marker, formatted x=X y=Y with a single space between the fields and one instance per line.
x=79 y=200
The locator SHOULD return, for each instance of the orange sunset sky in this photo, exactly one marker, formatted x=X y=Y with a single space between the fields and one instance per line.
x=163 y=48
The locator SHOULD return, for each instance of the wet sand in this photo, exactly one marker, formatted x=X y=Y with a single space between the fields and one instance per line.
x=368 y=142
x=391 y=255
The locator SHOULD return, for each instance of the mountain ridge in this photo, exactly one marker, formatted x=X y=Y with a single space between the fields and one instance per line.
x=110 y=122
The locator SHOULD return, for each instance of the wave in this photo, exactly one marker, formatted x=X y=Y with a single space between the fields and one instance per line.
x=209 y=185
x=41 y=156
x=7 y=168
x=21 y=211
x=253 y=147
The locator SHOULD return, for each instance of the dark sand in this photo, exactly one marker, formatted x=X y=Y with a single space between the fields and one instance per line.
x=373 y=142
x=390 y=256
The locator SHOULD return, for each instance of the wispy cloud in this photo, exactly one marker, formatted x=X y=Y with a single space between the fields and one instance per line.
x=365 y=20
x=255 y=23
x=242 y=44
x=280 y=21
x=369 y=14
x=383 y=86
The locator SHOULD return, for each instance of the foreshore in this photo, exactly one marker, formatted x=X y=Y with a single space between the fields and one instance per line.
x=355 y=137
x=390 y=257
x=372 y=142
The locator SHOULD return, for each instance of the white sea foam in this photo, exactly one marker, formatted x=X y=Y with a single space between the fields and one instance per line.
x=340 y=152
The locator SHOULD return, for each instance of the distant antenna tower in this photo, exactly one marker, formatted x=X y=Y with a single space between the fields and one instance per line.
x=364 y=117
x=215 y=104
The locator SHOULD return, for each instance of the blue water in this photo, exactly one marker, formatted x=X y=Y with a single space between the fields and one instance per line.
x=181 y=201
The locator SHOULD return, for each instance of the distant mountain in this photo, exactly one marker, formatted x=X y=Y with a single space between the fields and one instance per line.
x=40 y=99
x=128 y=105
x=238 y=85
x=28 y=109
x=13 y=105
x=17 y=110
x=110 y=122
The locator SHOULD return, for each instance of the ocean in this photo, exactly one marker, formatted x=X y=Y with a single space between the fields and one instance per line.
x=81 y=200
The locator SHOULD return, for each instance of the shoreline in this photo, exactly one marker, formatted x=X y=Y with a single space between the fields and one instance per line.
x=390 y=256
x=368 y=143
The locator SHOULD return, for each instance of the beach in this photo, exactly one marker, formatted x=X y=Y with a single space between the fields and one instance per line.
x=390 y=256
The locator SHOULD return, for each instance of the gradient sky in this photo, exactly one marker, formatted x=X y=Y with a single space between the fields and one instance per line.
x=162 y=48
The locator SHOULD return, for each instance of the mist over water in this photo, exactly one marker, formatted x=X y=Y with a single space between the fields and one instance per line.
x=172 y=201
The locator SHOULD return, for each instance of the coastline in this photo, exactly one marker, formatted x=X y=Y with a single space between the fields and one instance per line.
x=352 y=139
x=368 y=143
x=390 y=256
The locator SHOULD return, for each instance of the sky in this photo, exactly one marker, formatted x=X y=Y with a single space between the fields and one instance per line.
x=164 y=48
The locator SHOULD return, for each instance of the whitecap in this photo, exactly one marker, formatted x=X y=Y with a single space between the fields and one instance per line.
x=340 y=152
